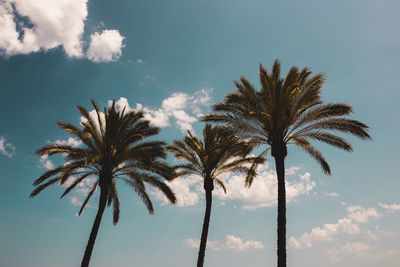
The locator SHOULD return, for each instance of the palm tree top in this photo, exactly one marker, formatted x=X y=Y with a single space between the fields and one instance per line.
x=287 y=111
x=114 y=148
x=219 y=152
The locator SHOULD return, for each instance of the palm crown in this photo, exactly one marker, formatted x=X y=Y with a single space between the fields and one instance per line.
x=287 y=111
x=221 y=152
x=114 y=149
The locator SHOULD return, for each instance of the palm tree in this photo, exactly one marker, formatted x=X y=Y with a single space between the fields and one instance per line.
x=286 y=111
x=113 y=150
x=221 y=152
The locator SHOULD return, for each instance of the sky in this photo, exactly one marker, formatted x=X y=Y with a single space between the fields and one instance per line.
x=175 y=59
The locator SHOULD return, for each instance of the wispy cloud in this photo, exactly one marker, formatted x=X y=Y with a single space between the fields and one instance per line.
x=390 y=207
x=360 y=251
x=6 y=148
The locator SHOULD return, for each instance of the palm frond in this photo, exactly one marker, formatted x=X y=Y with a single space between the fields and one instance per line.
x=314 y=153
x=141 y=193
x=114 y=196
x=43 y=186
x=88 y=196
x=353 y=127
x=75 y=183
x=330 y=139
x=221 y=184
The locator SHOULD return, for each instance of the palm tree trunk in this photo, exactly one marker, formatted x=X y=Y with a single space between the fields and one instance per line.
x=208 y=186
x=95 y=228
x=281 y=231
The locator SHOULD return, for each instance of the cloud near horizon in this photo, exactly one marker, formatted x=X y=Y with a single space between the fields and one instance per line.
x=231 y=243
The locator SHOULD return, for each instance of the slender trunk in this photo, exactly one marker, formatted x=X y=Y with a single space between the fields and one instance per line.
x=280 y=170
x=208 y=186
x=95 y=228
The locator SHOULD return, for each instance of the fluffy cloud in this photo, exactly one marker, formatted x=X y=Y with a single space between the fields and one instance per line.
x=6 y=148
x=263 y=192
x=31 y=26
x=391 y=207
x=187 y=191
x=361 y=215
x=106 y=46
x=349 y=225
x=231 y=243
x=236 y=243
x=183 y=108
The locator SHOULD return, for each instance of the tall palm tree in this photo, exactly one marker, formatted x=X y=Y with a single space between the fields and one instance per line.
x=114 y=149
x=286 y=111
x=220 y=152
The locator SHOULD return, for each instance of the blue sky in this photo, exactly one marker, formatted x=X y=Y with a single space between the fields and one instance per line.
x=175 y=59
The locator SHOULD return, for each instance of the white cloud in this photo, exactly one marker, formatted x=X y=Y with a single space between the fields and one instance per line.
x=236 y=243
x=349 y=225
x=195 y=243
x=120 y=104
x=52 y=23
x=46 y=163
x=360 y=214
x=232 y=243
x=30 y=26
x=80 y=191
x=6 y=148
x=93 y=116
x=183 y=108
x=105 y=47
x=187 y=191
x=263 y=192
x=71 y=141
x=390 y=207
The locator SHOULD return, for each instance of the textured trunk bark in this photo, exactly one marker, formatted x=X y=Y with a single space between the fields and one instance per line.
x=95 y=228
x=281 y=231
x=208 y=187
